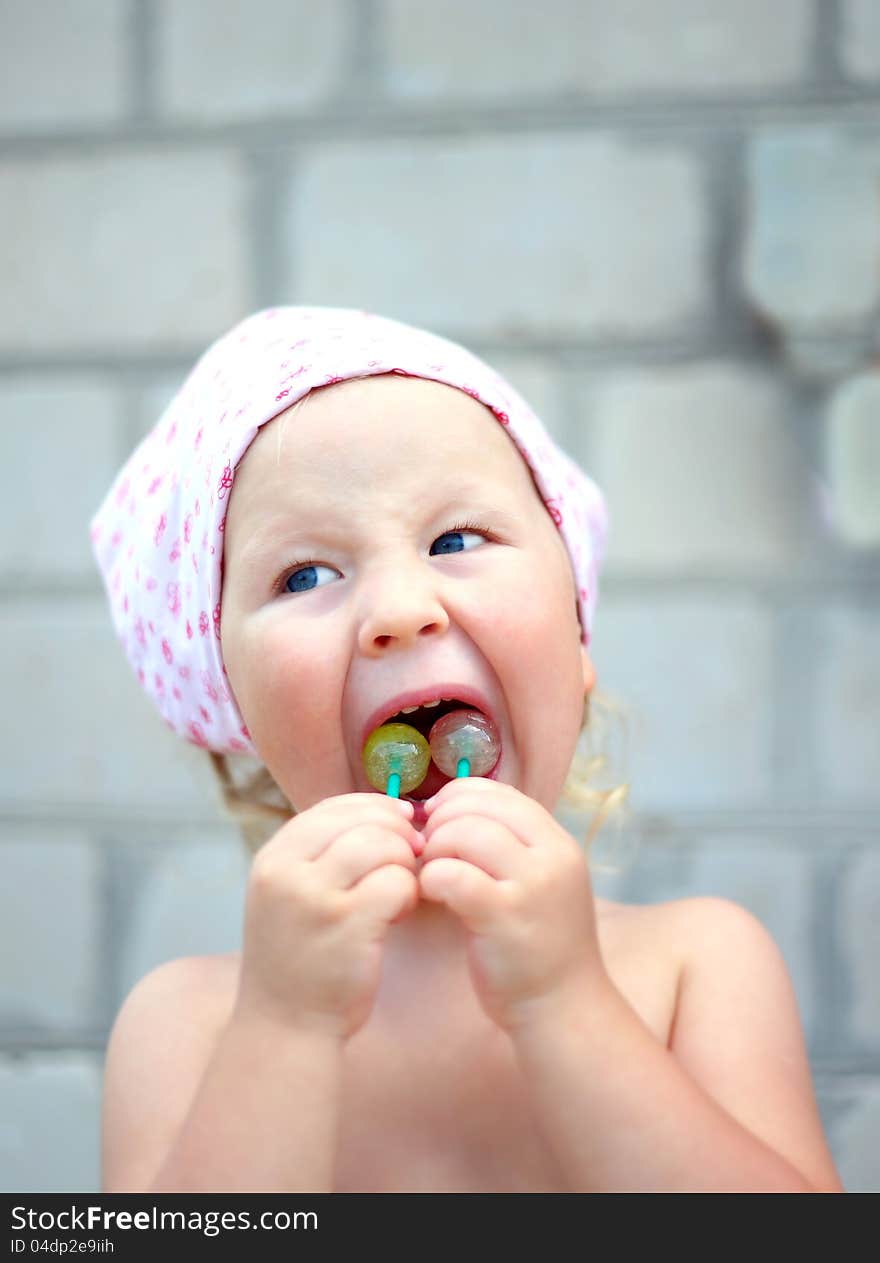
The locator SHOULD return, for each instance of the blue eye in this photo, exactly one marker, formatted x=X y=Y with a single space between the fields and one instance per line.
x=301 y=580
x=301 y=577
x=456 y=547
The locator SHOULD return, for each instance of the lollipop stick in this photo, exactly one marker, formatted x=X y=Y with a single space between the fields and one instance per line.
x=396 y=758
x=464 y=742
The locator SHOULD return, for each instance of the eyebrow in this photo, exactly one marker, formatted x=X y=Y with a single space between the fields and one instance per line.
x=280 y=532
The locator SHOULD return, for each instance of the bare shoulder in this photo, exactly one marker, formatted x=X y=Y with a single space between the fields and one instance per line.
x=685 y=932
x=181 y=989
x=737 y=1030
x=629 y=927
x=733 y=972
x=715 y=948
x=159 y=1047
x=715 y=938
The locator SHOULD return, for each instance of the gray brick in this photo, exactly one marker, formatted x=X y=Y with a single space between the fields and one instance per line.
x=62 y=65
x=232 y=61
x=700 y=469
x=49 y=931
x=773 y=881
x=120 y=252
x=181 y=900
x=659 y=871
x=833 y=1097
x=574 y=247
x=700 y=738
x=84 y=731
x=538 y=383
x=151 y=401
x=860 y=39
x=801 y=271
x=515 y=48
x=852 y=444
x=847 y=703
x=60 y=440
x=858 y=919
x=856 y=1139
x=50 y=1124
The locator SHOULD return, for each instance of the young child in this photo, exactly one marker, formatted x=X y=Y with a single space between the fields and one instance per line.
x=337 y=518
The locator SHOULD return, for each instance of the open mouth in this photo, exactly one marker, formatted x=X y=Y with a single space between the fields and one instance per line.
x=425 y=717
x=423 y=720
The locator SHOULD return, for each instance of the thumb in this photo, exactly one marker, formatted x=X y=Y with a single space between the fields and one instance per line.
x=465 y=889
x=387 y=894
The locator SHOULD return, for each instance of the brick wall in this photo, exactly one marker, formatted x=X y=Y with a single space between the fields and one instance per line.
x=661 y=219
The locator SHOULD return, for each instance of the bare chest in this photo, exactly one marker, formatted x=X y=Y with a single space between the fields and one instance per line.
x=450 y=1112
x=439 y=1122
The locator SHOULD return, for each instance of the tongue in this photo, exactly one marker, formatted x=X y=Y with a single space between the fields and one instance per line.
x=433 y=782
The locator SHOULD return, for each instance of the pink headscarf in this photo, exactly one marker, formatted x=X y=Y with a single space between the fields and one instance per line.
x=158 y=536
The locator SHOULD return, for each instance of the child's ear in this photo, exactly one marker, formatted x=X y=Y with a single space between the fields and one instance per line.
x=589 y=672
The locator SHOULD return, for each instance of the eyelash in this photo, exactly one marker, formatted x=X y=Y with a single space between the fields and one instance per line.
x=469 y=525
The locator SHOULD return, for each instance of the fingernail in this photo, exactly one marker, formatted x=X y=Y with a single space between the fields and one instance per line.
x=405 y=805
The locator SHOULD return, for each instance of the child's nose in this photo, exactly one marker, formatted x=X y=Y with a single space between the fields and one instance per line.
x=400 y=605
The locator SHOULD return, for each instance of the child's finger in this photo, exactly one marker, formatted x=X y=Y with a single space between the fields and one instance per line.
x=467 y=891
x=524 y=818
x=386 y=894
x=309 y=834
x=469 y=784
x=480 y=840
x=360 y=850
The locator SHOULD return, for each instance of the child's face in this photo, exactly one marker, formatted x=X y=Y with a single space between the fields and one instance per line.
x=366 y=482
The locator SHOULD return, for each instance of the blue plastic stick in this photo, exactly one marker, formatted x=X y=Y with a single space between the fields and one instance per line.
x=393 y=791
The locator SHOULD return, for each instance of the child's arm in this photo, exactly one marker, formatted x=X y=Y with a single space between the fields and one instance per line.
x=206 y=1093
x=729 y=1106
x=196 y=1100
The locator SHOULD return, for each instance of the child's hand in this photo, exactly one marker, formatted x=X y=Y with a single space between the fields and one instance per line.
x=521 y=885
x=321 y=896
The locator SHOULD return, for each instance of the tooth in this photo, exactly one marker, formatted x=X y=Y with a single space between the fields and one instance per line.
x=408 y=710
x=438 y=701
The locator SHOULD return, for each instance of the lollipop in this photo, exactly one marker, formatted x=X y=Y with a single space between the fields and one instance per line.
x=462 y=743
x=396 y=756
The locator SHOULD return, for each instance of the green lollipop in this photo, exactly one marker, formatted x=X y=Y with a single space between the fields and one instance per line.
x=396 y=758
